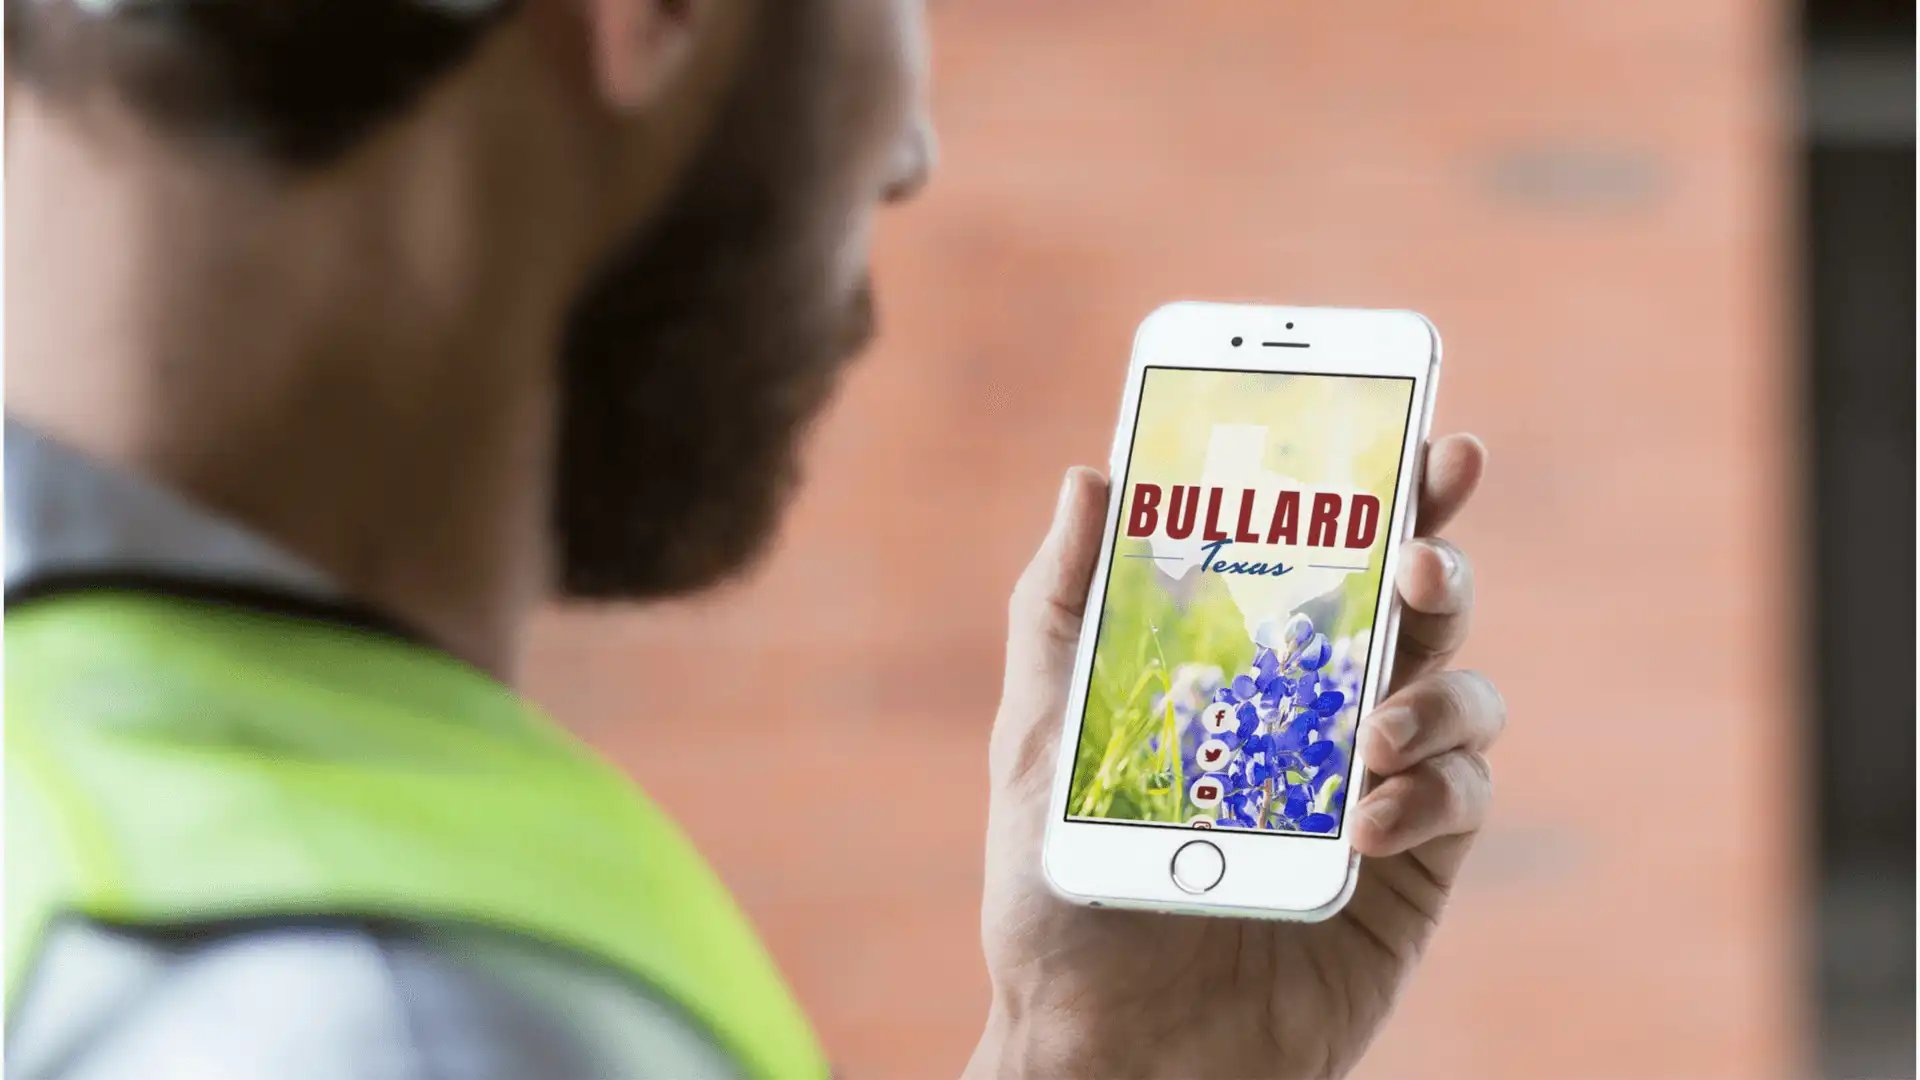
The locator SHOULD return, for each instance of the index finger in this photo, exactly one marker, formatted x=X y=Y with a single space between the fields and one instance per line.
x=1455 y=464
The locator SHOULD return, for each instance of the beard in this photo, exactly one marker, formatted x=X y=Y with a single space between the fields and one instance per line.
x=696 y=357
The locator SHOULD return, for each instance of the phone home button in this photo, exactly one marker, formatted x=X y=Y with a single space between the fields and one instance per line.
x=1198 y=866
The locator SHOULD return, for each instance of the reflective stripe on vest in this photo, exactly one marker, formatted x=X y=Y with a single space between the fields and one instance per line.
x=173 y=762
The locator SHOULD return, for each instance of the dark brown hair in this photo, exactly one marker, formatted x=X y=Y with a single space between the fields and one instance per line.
x=296 y=82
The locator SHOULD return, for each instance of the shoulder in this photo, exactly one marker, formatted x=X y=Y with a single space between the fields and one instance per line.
x=328 y=999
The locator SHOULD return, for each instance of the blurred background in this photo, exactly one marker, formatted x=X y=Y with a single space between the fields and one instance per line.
x=1670 y=246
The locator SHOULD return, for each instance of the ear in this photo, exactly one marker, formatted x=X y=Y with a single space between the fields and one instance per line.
x=641 y=46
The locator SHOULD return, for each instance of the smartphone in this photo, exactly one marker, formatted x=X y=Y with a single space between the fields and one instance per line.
x=1242 y=617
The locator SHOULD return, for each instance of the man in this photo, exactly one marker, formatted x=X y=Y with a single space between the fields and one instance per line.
x=343 y=333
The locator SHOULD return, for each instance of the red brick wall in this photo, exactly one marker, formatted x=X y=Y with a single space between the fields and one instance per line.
x=1587 y=198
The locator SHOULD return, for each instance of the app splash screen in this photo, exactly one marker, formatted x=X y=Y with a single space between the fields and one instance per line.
x=1244 y=588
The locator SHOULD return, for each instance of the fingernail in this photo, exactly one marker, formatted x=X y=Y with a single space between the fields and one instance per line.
x=1449 y=562
x=1397 y=727
x=1382 y=812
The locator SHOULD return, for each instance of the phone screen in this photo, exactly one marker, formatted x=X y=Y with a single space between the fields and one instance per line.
x=1245 y=585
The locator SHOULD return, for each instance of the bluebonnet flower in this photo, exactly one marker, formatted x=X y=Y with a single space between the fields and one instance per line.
x=1297 y=734
x=1315 y=653
x=1278 y=688
x=1306 y=691
x=1266 y=663
x=1244 y=688
x=1292 y=710
x=1248 y=717
x=1296 y=805
x=1344 y=673
x=1317 y=753
x=1260 y=768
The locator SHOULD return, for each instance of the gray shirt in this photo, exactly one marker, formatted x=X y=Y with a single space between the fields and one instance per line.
x=309 y=999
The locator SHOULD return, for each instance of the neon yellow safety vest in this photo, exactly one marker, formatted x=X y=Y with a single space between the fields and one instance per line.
x=173 y=762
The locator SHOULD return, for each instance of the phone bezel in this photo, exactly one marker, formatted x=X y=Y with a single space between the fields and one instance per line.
x=1270 y=876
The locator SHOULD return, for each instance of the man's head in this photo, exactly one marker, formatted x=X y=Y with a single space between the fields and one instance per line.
x=712 y=335
x=726 y=155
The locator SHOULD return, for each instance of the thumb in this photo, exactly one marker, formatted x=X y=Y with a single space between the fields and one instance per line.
x=1044 y=620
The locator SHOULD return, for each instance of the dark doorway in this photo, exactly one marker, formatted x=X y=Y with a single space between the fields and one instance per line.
x=1858 y=280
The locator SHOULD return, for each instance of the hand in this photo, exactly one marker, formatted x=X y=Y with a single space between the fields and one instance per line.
x=1109 y=993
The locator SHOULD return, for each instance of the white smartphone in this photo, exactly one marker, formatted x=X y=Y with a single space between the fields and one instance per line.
x=1242 y=617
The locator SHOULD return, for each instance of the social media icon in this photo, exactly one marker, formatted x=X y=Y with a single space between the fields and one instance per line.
x=1207 y=792
x=1213 y=756
x=1201 y=822
x=1218 y=718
